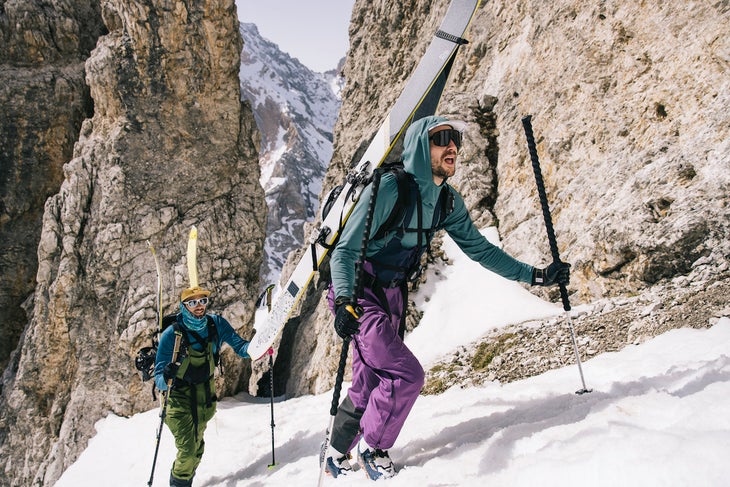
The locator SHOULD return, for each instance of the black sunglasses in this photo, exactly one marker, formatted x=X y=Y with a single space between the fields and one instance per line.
x=443 y=137
x=191 y=303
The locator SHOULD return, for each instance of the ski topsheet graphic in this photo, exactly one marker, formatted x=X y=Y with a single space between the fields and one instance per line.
x=419 y=98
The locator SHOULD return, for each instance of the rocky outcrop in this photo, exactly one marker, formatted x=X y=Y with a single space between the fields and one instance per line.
x=170 y=145
x=43 y=100
x=606 y=325
x=629 y=109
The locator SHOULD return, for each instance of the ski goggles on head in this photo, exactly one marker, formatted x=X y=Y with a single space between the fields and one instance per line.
x=191 y=303
x=443 y=137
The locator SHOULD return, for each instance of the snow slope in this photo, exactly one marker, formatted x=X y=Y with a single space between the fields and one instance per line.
x=657 y=416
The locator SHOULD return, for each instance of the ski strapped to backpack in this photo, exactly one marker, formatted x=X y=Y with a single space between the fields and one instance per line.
x=419 y=98
x=145 y=360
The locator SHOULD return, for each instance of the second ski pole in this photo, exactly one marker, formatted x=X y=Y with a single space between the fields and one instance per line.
x=271 y=387
x=527 y=124
x=163 y=411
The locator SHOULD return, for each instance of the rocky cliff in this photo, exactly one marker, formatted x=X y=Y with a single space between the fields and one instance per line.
x=629 y=108
x=43 y=100
x=170 y=145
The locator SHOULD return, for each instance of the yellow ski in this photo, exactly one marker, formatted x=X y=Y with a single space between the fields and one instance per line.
x=193 y=257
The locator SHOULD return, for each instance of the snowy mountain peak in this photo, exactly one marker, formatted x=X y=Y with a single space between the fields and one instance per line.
x=295 y=110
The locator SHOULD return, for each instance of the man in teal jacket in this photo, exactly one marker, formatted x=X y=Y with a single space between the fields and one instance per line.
x=387 y=377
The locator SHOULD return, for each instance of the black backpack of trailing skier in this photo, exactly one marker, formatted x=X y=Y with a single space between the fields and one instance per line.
x=145 y=360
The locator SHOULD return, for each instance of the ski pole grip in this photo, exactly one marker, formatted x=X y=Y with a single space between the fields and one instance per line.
x=564 y=297
x=542 y=194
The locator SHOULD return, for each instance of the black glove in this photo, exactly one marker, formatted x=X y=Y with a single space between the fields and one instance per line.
x=556 y=273
x=170 y=371
x=346 y=317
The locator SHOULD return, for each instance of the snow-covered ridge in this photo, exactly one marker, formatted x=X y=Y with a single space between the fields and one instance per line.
x=295 y=110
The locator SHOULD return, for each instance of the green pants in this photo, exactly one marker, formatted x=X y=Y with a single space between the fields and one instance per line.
x=188 y=438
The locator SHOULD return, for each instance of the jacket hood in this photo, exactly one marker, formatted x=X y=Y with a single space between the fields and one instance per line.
x=417 y=149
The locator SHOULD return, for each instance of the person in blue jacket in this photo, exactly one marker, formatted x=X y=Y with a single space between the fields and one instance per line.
x=192 y=399
x=386 y=376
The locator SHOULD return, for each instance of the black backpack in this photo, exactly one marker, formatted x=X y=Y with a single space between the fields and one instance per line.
x=401 y=213
x=145 y=360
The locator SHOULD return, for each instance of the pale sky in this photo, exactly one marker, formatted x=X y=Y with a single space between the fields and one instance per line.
x=313 y=31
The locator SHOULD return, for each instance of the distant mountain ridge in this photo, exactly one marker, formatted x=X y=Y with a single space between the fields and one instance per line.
x=295 y=110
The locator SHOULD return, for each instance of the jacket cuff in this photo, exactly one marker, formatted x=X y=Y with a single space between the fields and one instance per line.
x=538 y=276
x=340 y=300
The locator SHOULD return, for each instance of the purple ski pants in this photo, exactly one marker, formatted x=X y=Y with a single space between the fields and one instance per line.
x=386 y=376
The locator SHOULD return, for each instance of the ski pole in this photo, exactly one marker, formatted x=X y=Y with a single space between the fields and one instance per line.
x=346 y=341
x=333 y=408
x=265 y=298
x=163 y=412
x=271 y=386
x=527 y=124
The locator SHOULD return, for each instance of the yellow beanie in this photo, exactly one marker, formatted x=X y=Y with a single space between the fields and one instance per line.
x=193 y=291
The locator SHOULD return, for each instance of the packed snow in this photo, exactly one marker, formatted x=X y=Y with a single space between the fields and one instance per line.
x=657 y=414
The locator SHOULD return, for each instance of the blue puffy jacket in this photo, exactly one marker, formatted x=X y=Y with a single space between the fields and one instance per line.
x=167 y=344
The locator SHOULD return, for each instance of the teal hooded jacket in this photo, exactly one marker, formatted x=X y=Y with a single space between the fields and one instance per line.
x=459 y=226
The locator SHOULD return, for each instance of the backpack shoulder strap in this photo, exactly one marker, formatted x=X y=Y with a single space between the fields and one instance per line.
x=212 y=331
x=444 y=207
x=403 y=208
x=184 y=340
x=213 y=339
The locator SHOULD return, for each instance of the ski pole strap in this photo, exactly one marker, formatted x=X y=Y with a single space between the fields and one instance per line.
x=175 y=354
x=527 y=124
x=314 y=256
x=451 y=37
